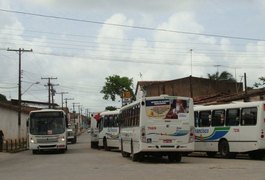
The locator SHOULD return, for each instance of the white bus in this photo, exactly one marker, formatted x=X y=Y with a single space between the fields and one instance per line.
x=108 y=137
x=158 y=126
x=230 y=129
x=47 y=130
x=94 y=129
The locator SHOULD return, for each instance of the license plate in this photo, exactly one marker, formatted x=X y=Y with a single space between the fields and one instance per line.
x=167 y=141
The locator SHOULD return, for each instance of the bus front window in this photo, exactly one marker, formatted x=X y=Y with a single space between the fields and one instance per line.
x=47 y=126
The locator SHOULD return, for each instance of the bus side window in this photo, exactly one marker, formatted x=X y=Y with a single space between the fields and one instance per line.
x=218 y=117
x=205 y=118
x=249 y=116
x=232 y=117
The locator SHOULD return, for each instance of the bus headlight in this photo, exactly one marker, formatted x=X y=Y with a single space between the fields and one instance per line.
x=61 y=138
x=31 y=140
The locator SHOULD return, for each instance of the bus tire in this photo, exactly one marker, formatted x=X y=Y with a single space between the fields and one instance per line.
x=105 y=144
x=225 y=150
x=34 y=151
x=134 y=156
x=94 y=145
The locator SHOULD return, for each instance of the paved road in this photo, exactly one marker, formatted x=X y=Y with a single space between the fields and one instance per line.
x=80 y=162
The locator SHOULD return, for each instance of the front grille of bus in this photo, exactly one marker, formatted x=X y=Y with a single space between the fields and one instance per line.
x=167 y=146
x=47 y=140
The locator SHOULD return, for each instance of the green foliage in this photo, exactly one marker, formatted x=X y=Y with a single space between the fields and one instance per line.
x=2 y=97
x=223 y=76
x=110 y=108
x=262 y=83
x=115 y=86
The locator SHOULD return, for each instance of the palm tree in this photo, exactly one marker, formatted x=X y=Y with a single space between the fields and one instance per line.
x=223 y=76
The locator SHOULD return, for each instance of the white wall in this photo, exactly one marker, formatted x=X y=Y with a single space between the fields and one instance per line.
x=9 y=123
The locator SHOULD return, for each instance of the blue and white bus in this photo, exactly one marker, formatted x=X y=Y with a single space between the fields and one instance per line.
x=229 y=129
x=108 y=136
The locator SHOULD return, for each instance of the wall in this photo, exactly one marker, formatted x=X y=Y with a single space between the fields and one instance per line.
x=9 y=123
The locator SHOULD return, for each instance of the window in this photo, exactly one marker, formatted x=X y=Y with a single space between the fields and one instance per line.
x=218 y=117
x=205 y=118
x=106 y=121
x=232 y=117
x=249 y=116
x=131 y=117
x=196 y=119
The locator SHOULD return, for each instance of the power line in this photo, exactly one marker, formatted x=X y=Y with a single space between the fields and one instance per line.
x=129 y=26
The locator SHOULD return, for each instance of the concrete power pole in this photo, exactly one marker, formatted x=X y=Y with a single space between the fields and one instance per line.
x=20 y=51
x=66 y=100
x=62 y=93
x=49 y=89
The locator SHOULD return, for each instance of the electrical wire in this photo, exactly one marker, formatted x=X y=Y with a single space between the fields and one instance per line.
x=129 y=26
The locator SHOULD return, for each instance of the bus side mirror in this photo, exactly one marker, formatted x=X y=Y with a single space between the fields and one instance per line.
x=27 y=124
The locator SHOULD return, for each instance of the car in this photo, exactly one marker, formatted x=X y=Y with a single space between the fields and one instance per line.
x=71 y=136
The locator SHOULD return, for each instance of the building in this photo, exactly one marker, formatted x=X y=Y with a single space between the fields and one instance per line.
x=189 y=87
x=9 y=120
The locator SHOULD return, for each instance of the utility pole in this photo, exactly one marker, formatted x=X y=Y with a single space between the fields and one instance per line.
x=49 y=89
x=191 y=62
x=53 y=91
x=66 y=99
x=20 y=51
x=62 y=93
x=74 y=110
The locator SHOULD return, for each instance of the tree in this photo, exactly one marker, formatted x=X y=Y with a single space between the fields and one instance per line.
x=110 y=108
x=262 y=83
x=223 y=76
x=115 y=86
x=2 y=97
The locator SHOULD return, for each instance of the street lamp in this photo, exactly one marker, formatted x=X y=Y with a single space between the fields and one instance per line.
x=30 y=87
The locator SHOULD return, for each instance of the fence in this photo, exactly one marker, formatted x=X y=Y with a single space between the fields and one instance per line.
x=14 y=145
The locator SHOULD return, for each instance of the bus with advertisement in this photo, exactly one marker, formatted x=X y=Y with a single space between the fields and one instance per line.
x=229 y=129
x=47 y=130
x=108 y=137
x=157 y=126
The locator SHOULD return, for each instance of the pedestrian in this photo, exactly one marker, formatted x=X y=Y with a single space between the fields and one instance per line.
x=1 y=140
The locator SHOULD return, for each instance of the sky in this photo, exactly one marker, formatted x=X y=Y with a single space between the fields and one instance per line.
x=82 y=42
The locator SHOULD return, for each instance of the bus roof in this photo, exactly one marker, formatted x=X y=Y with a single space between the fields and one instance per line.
x=110 y=112
x=229 y=105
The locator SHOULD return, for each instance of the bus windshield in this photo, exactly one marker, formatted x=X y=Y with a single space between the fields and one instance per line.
x=46 y=125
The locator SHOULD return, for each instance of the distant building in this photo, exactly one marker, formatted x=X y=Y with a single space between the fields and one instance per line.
x=36 y=104
x=189 y=86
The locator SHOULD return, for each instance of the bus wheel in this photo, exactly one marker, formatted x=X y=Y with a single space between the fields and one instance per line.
x=256 y=155
x=224 y=150
x=105 y=144
x=211 y=154
x=34 y=151
x=134 y=156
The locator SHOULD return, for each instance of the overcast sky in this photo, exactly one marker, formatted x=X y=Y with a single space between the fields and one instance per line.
x=82 y=42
